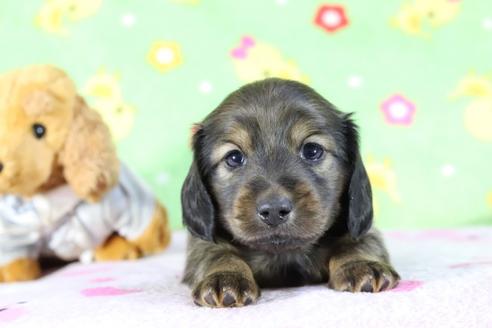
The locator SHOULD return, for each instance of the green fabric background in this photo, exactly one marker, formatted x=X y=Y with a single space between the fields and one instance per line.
x=437 y=172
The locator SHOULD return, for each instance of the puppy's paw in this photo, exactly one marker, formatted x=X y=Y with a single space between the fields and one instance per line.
x=225 y=289
x=364 y=276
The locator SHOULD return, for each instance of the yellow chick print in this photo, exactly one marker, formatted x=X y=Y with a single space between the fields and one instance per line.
x=489 y=199
x=55 y=15
x=255 y=61
x=474 y=85
x=103 y=85
x=478 y=113
x=418 y=17
x=119 y=116
x=104 y=91
x=383 y=177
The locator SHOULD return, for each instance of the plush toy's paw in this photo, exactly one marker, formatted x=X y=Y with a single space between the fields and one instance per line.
x=117 y=248
x=158 y=234
x=20 y=270
x=225 y=289
x=364 y=276
x=154 y=239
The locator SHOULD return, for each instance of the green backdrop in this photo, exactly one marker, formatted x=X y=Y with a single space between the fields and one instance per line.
x=417 y=73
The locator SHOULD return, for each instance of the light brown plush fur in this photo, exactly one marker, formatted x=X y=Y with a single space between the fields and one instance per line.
x=77 y=150
x=156 y=237
x=20 y=270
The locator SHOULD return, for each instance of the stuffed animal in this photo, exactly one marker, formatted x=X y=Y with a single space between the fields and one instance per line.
x=63 y=191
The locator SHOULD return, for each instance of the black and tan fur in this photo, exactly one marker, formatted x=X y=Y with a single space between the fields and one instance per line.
x=326 y=237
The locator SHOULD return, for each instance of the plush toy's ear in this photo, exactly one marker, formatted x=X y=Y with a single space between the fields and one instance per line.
x=359 y=193
x=89 y=160
x=197 y=206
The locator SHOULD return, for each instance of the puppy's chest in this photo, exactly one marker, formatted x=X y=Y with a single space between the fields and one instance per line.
x=288 y=269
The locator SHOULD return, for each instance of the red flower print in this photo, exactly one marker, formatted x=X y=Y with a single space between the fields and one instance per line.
x=331 y=18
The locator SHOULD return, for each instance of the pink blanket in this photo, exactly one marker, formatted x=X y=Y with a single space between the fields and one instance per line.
x=447 y=282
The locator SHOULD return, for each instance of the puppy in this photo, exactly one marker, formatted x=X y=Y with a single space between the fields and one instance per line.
x=277 y=195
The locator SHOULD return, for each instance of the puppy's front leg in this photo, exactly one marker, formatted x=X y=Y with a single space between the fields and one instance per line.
x=218 y=276
x=361 y=265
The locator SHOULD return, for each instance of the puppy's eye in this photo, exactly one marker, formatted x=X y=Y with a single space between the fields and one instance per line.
x=39 y=130
x=312 y=151
x=234 y=158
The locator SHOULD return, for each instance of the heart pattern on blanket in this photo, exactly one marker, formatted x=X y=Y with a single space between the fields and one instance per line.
x=107 y=291
x=469 y=264
x=407 y=286
x=102 y=279
x=11 y=314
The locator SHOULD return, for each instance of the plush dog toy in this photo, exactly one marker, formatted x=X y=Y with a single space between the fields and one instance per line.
x=63 y=191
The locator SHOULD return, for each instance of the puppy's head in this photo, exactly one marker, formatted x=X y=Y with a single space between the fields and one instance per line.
x=275 y=166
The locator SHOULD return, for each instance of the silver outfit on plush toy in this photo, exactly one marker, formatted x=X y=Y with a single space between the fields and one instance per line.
x=60 y=223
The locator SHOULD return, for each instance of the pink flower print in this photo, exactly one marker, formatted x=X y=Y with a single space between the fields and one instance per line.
x=398 y=110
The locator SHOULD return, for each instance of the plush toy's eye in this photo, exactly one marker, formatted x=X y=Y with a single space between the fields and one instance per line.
x=235 y=158
x=312 y=152
x=39 y=130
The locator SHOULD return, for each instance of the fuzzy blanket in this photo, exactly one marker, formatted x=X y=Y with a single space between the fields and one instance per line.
x=447 y=282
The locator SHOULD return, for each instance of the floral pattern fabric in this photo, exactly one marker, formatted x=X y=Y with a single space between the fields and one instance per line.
x=416 y=73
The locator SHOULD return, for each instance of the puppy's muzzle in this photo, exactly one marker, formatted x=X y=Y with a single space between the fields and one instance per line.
x=274 y=210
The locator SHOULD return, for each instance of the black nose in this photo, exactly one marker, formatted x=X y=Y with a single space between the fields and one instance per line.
x=1 y=167
x=274 y=211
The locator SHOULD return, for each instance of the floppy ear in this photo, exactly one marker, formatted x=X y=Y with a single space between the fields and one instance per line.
x=359 y=193
x=360 y=212
x=197 y=206
x=89 y=160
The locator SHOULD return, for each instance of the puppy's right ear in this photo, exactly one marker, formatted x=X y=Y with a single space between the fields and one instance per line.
x=197 y=207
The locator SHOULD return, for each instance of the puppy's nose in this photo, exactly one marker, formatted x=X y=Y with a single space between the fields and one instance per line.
x=1 y=167
x=274 y=211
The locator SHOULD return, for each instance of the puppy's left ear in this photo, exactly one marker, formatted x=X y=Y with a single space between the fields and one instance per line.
x=89 y=159
x=359 y=193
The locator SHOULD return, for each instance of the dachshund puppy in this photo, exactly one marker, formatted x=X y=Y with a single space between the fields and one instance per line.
x=277 y=195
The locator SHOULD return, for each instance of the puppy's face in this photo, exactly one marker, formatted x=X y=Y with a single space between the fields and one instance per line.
x=274 y=159
x=276 y=177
